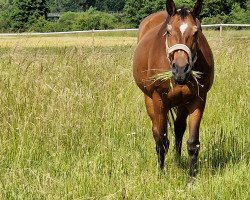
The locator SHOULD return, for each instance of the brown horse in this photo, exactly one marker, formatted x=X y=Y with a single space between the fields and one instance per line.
x=173 y=41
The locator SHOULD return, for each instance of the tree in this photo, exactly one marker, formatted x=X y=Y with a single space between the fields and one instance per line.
x=5 y=20
x=214 y=11
x=184 y=3
x=93 y=19
x=27 y=12
x=136 y=10
x=110 y=5
x=70 y=5
x=83 y=5
x=238 y=15
x=248 y=11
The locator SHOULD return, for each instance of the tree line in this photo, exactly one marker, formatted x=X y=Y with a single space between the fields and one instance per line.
x=32 y=15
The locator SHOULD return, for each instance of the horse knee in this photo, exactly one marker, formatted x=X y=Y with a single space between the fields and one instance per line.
x=193 y=148
x=155 y=133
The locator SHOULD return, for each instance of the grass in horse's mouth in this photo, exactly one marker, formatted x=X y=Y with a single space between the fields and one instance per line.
x=167 y=75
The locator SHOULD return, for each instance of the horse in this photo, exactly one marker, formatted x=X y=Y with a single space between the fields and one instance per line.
x=173 y=41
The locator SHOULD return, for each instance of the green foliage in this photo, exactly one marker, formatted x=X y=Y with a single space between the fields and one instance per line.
x=218 y=19
x=43 y=25
x=109 y=5
x=184 y=3
x=5 y=19
x=218 y=9
x=30 y=15
x=214 y=11
x=135 y=11
x=93 y=19
x=83 y=5
x=69 y=5
x=67 y=20
x=27 y=12
x=131 y=10
x=238 y=15
x=248 y=12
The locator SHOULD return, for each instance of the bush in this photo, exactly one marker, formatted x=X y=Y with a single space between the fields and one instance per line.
x=93 y=19
x=238 y=15
x=67 y=21
x=218 y=19
x=5 y=20
x=42 y=25
x=25 y=13
x=136 y=10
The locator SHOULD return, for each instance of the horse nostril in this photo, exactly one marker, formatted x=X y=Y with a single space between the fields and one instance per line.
x=174 y=66
x=186 y=68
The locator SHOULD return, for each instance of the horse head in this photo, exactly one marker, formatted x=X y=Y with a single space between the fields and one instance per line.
x=182 y=39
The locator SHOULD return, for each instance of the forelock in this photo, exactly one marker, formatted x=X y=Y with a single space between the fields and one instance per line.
x=183 y=13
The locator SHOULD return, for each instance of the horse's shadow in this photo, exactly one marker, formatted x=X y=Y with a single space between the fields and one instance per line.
x=226 y=148
x=216 y=154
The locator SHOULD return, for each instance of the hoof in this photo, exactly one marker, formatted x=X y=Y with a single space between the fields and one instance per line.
x=177 y=161
x=190 y=181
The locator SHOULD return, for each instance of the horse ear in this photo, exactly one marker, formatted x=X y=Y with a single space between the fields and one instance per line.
x=197 y=8
x=171 y=8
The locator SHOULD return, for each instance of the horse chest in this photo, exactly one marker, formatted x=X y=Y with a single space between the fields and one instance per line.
x=180 y=94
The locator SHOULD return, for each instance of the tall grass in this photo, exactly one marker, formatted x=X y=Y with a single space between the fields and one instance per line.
x=73 y=126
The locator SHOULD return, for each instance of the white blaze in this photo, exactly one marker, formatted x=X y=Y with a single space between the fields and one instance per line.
x=183 y=28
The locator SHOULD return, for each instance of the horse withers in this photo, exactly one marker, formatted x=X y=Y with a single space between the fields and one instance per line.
x=173 y=42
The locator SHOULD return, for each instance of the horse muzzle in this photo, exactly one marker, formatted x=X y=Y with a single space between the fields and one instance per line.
x=181 y=72
x=181 y=65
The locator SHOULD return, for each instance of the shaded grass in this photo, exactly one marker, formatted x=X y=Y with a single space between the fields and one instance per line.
x=73 y=126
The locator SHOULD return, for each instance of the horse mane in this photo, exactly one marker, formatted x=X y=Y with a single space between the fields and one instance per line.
x=183 y=12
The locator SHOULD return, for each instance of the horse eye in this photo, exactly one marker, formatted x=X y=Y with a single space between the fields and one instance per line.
x=169 y=27
x=168 y=33
x=195 y=30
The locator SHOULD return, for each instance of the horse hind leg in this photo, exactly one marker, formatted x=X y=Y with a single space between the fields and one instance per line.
x=159 y=127
x=180 y=125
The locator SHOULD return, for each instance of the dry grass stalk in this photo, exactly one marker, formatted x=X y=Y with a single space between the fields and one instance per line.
x=167 y=75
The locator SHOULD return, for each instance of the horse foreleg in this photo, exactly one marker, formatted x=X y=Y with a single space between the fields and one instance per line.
x=157 y=113
x=179 y=129
x=195 y=114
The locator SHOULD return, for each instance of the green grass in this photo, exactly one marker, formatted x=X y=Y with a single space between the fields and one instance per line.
x=74 y=126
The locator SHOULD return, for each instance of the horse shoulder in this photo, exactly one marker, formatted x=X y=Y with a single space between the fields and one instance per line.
x=149 y=57
x=206 y=61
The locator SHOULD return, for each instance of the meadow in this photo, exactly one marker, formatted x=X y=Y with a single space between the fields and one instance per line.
x=74 y=125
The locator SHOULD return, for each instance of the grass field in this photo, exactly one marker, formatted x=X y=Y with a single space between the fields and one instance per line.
x=74 y=126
